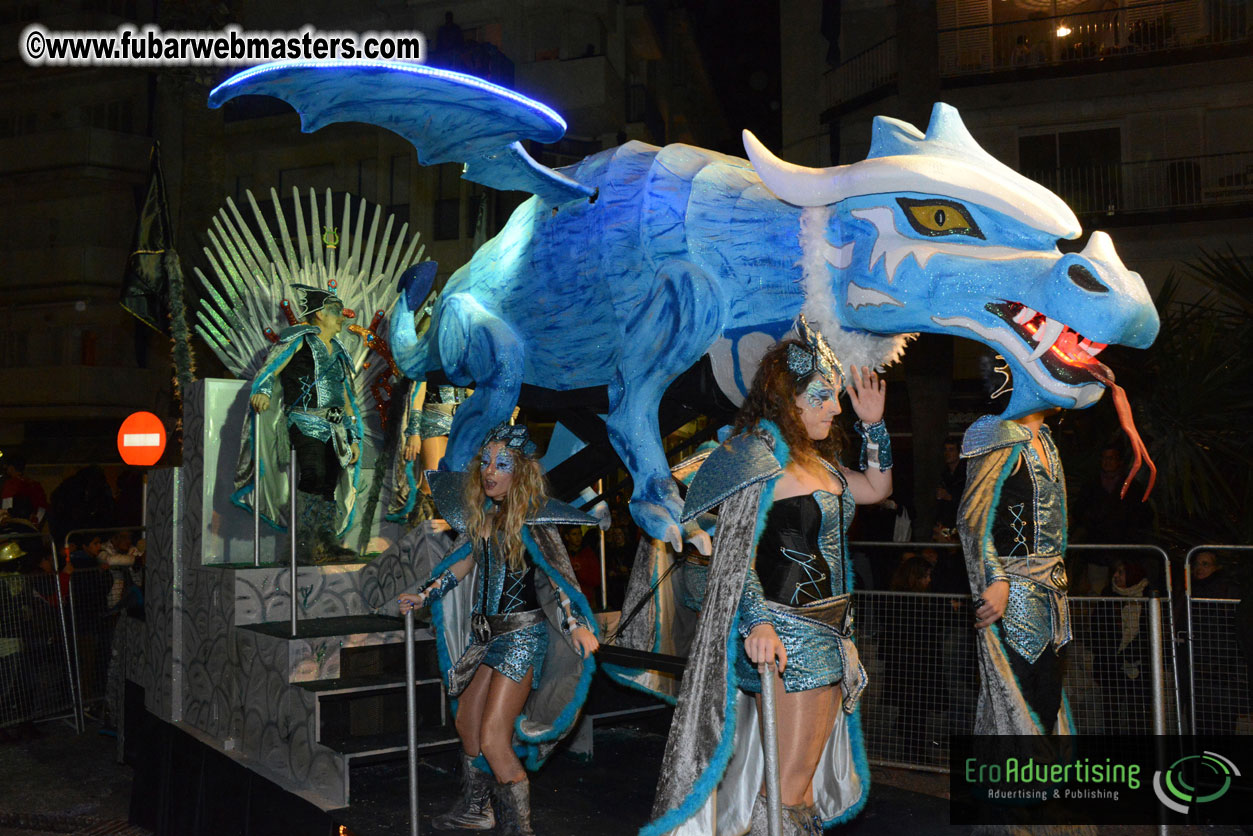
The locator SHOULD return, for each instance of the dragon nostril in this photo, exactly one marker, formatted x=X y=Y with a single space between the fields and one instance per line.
x=1083 y=277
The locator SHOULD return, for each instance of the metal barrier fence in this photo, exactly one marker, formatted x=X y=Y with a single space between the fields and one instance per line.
x=1220 y=644
x=93 y=596
x=36 y=672
x=919 y=652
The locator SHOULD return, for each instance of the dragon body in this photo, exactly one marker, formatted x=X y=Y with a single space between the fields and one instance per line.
x=628 y=267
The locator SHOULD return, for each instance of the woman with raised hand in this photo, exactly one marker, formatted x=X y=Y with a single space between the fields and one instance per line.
x=515 y=635
x=778 y=593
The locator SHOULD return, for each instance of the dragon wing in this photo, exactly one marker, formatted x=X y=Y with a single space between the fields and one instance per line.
x=447 y=116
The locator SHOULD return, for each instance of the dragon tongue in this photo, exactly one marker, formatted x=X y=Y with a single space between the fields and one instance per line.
x=1122 y=406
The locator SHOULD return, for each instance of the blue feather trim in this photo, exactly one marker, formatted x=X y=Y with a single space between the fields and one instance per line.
x=861 y=767
x=713 y=773
x=782 y=453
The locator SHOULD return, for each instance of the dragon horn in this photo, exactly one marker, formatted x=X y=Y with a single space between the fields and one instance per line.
x=796 y=184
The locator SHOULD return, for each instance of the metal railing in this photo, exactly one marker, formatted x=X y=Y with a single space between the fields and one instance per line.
x=1218 y=662
x=919 y=650
x=90 y=626
x=1134 y=29
x=37 y=674
x=1109 y=35
x=1153 y=185
x=865 y=72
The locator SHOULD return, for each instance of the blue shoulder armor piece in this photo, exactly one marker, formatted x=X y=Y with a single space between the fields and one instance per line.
x=743 y=460
x=556 y=512
x=447 y=492
x=991 y=432
x=295 y=332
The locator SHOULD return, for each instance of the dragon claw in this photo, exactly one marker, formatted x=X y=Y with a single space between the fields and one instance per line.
x=659 y=521
x=701 y=541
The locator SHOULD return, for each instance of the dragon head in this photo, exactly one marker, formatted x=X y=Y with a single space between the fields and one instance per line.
x=931 y=233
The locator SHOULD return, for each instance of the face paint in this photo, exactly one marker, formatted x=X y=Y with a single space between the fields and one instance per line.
x=503 y=462
x=496 y=470
x=818 y=392
x=818 y=403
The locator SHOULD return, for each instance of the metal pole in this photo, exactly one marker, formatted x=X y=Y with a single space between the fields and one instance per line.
x=1155 y=660
x=77 y=679
x=604 y=581
x=291 y=529
x=1158 y=683
x=71 y=674
x=411 y=691
x=770 y=741
x=256 y=490
x=1187 y=605
x=1174 y=642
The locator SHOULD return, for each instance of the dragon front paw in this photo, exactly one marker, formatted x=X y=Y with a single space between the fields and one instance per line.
x=659 y=521
x=698 y=537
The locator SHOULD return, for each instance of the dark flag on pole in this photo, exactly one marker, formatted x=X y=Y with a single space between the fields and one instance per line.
x=145 y=285
x=152 y=286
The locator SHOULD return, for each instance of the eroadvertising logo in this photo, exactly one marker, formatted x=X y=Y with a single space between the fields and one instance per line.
x=1099 y=780
x=1174 y=790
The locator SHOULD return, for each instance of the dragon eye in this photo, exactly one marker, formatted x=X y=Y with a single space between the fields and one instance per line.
x=934 y=218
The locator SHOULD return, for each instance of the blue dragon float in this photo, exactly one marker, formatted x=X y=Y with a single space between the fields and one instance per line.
x=630 y=266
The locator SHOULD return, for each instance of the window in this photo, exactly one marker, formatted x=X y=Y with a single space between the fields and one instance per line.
x=1083 y=167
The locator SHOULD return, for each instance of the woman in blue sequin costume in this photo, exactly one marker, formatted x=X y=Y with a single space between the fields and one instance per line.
x=515 y=642
x=779 y=590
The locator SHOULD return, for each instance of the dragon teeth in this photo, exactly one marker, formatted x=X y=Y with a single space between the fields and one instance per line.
x=1024 y=316
x=1091 y=348
x=1046 y=336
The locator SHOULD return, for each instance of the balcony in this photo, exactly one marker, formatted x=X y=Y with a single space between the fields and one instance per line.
x=1213 y=182
x=866 y=75
x=1048 y=45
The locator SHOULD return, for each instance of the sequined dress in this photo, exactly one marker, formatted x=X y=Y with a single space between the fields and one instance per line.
x=505 y=592
x=801 y=585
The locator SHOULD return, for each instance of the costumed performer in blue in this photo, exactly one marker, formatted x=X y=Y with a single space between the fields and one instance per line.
x=515 y=635
x=309 y=373
x=1012 y=522
x=778 y=591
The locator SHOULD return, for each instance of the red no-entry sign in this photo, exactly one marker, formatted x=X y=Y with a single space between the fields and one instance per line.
x=141 y=439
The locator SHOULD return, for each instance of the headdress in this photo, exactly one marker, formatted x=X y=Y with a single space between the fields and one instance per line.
x=10 y=551
x=310 y=300
x=515 y=437
x=816 y=357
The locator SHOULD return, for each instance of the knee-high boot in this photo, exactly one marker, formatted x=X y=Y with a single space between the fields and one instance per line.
x=473 y=810
x=513 y=808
